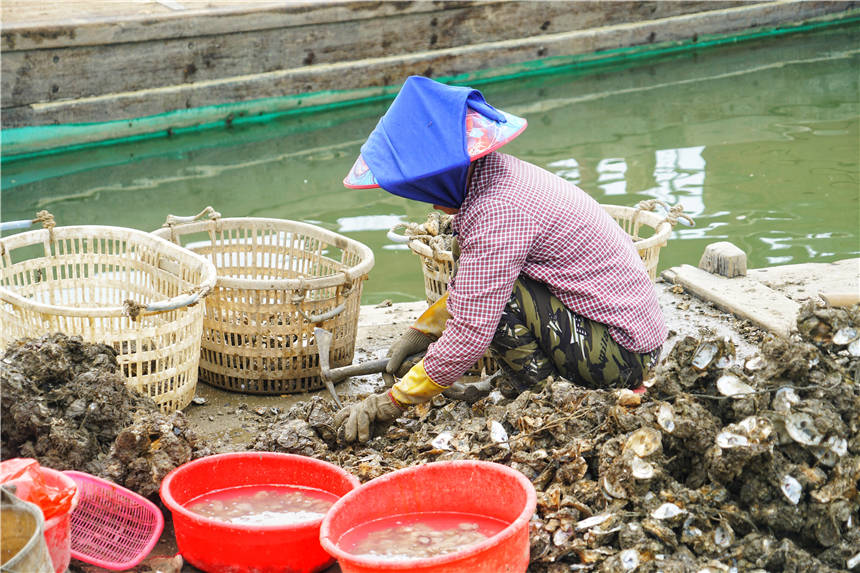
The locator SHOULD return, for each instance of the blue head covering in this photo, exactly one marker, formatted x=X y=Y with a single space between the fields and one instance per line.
x=418 y=148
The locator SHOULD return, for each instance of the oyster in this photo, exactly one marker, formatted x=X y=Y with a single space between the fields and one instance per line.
x=629 y=559
x=641 y=469
x=442 y=441
x=844 y=335
x=784 y=399
x=705 y=355
x=498 y=434
x=644 y=442
x=791 y=488
x=801 y=427
x=754 y=363
x=731 y=385
x=666 y=417
x=728 y=440
x=667 y=511
x=723 y=536
x=592 y=521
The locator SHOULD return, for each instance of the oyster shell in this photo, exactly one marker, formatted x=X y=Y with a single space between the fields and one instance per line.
x=728 y=440
x=754 y=363
x=667 y=511
x=666 y=417
x=442 y=441
x=641 y=469
x=498 y=434
x=784 y=399
x=723 y=536
x=731 y=385
x=592 y=521
x=629 y=559
x=791 y=488
x=844 y=335
x=613 y=489
x=644 y=442
x=705 y=355
x=801 y=427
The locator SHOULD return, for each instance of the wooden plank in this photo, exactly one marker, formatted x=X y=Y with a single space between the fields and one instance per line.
x=196 y=55
x=55 y=24
x=793 y=280
x=374 y=74
x=742 y=296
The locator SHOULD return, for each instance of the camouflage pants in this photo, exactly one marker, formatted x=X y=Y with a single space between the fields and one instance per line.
x=538 y=336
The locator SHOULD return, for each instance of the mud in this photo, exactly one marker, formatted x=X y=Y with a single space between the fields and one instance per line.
x=66 y=404
x=742 y=455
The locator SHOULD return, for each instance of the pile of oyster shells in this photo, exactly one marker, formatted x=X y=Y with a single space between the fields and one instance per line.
x=722 y=465
x=430 y=237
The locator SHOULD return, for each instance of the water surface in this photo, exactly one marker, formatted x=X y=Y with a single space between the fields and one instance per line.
x=759 y=142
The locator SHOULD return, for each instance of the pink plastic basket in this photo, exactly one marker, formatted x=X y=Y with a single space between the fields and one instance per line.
x=112 y=527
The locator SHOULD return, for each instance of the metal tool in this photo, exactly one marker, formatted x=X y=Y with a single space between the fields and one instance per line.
x=331 y=375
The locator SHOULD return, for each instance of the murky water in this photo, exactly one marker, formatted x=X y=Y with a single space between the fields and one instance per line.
x=419 y=535
x=760 y=143
x=263 y=504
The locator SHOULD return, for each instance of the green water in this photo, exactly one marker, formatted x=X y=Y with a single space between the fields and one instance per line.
x=760 y=142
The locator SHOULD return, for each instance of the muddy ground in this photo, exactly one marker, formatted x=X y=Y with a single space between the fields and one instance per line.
x=744 y=452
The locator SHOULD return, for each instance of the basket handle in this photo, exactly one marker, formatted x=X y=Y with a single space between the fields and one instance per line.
x=44 y=217
x=323 y=316
x=394 y=236
x=134 y=309
x=677 y=212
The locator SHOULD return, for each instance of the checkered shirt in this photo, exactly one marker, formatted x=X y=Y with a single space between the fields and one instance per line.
x=520 y=219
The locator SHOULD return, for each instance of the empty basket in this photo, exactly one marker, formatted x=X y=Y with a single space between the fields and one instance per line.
x=277 y=280
x=111 y=285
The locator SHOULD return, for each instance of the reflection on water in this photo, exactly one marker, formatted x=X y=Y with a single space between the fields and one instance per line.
x=758 y=142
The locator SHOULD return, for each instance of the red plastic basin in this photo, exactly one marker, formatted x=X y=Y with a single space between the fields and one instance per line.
x=213 y=545
x=482 y=488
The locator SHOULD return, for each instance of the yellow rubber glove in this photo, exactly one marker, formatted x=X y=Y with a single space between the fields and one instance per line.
x=419 y=336
x=432 y=321
x=415 y=388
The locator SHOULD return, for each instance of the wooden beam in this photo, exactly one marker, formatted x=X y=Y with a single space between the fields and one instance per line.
x=742 y=296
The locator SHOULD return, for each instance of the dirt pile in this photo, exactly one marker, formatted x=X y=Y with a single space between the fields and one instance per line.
x=720 y=466
x=65 y=403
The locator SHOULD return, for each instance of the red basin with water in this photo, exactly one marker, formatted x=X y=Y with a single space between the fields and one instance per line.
x=482 y=488
x=214 y=545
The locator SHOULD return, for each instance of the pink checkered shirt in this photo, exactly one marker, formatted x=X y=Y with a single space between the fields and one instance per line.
x=520 y=219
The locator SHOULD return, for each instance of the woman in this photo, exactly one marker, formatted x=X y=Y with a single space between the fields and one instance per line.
x=546 y=279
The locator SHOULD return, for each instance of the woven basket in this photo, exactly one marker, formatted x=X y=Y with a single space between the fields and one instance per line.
x=277 y=280
x=437 y=265
x=116 y=286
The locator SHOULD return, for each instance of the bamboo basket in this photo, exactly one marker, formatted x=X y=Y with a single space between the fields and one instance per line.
x=111 y=285
x=649 y=231
x=277 y=280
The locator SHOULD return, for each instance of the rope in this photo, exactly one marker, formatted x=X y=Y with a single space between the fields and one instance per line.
x=46 y=219
x=132 y=309
x=48 y=222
